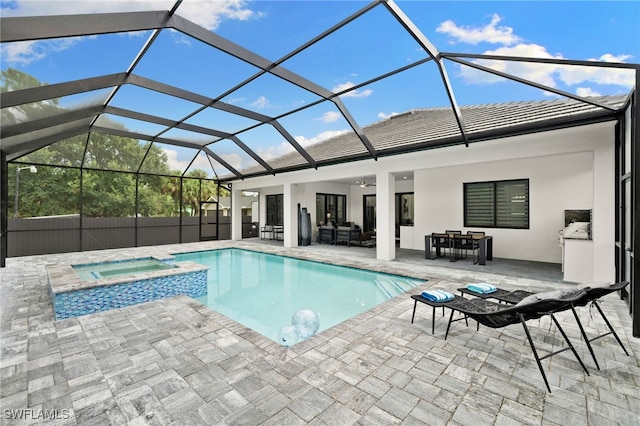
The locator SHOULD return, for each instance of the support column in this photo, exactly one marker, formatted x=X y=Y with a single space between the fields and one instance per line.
x=290 y=214
x=634 y=290
x=603 y=228
x=385 y=216
x=4 y=205
x=236 y=214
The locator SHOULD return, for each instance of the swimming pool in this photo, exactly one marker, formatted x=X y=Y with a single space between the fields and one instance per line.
x=263 y=291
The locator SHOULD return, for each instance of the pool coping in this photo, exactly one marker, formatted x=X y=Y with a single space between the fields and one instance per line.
x=63 y=279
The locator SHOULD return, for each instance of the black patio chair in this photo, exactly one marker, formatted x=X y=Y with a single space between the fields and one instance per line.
x=498 y=315
x=441 y=243
x=266 y=232
x=474 y=245
x=454 y=244
x=592 y=297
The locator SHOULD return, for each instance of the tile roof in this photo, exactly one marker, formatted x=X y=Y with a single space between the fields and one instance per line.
x=436 y=127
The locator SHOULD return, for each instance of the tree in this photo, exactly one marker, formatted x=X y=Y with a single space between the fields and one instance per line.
x=12 y=79
x=191 y=192
x=106 y=185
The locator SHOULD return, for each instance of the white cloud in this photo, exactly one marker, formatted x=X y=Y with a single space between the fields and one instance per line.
x=22 y=53
x=25 y=52
x=342 y=86
x=357 y=94
x=180 y=38
x=586 y=91
x=261 y=102
x=274 y=151
x=209 y=14
x=330 y=117
x=352 y=94
x=384 y=116
x=490 y=33
x=303 y=141
x=234 y=160
x=285 y=147
x=65 y=7
x=173 y=161
x=234 y=101
x=572 y=75
x=201 y=163
x=539 y=73
x=206 y=13
x=551 y=75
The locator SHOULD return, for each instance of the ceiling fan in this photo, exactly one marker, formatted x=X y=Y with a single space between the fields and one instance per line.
x=364 y=184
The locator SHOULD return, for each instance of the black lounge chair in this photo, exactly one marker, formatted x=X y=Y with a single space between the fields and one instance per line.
x=508 y=296
x=592 y=297
x=418 y=298
x=498 y=315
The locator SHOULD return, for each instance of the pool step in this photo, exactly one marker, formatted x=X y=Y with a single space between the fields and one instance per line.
x=382 y=287
x=404 y=285
x=392 y=288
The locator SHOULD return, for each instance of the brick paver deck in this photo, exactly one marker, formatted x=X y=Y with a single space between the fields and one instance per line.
x=174 y=361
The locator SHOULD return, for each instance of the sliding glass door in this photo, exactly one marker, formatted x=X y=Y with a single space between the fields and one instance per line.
x=331 y=209
x=369 y=214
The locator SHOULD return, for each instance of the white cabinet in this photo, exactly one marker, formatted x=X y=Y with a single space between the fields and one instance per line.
x=577 y=260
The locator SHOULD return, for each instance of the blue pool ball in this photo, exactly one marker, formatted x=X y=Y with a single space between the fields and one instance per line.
x=306 y=323
x=288 y=336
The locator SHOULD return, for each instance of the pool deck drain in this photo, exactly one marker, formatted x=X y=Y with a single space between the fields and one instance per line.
x=174 y=361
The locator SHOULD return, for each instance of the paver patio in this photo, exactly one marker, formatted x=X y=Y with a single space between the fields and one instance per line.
x=175 y=361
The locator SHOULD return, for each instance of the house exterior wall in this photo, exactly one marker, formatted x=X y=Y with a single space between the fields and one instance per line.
x=567 y=169
x=556 y=183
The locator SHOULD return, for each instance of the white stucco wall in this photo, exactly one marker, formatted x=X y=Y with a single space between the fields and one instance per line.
x=556 y=183
x=567 y=169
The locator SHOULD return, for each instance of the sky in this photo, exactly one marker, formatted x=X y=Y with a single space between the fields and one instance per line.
x=372 y=45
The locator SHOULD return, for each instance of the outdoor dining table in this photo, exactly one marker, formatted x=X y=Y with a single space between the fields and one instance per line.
x=485 y=245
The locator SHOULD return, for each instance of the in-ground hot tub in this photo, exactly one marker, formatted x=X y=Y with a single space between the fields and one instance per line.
x=94 y=287
x=97 y=271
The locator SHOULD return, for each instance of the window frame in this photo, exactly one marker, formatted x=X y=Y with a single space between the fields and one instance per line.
x=275 y=209
x=496 y=221
x=335 y=204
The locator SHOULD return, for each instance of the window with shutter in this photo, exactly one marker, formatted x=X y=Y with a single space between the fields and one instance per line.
x=498 y=204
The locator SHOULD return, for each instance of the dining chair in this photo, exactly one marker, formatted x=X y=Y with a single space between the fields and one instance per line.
x=454 y=244
x=474 y=245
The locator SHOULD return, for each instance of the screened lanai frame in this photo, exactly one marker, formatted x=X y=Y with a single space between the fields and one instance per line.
x=188 y=131
x=206 y=139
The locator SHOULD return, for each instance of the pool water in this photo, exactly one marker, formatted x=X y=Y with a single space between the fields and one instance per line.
x=97 y=271
x=263 y=291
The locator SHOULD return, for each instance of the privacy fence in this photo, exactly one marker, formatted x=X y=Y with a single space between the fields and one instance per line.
x=69 y=234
